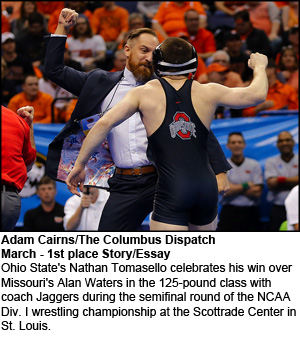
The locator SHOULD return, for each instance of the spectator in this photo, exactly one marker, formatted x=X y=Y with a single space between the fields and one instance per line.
x=31 y=41
x=216 y=73
x=280 y=95
x=148 y=8
x=48 y=7
x=293 y=38
x=135 y=21
x=21 y=23
x=48 y=216
x=222 y=17
x=85 y=47
x=17 y=65
x=289 y=14
x=240 y=204
x=84 y=213
x=60 y=106
x=119 y=60
x=169 y=19
x=232 y=79
x=291 y=204
x=111 y=22
x=18 y=154
x=78 y=6
x=238 y=58
x=70 y=108
x=265 y=15
x=254 y=40
x=281 y=174
x=32 y=96
x=288 y=65
x=202 y=39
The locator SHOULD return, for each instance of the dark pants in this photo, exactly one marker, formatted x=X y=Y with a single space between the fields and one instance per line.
x=277 y=216
x=233 y=218
x=130 y=201
x=10 y=209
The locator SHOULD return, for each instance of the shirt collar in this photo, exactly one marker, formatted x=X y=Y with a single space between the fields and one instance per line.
x=129 y=77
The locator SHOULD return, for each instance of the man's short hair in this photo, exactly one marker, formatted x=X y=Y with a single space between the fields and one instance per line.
x=46 y=180
x=27 y=75
x=243 y=15
x=189 y=10
x=35 y=17
x=236 y=133
x=137 y=32
x=136 y=15
x=176 y=50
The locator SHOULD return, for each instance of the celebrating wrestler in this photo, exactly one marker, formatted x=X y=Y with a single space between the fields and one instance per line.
x=177 y=114
x=132 y=187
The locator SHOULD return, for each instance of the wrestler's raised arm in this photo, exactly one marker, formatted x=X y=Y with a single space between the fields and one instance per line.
x=243 y=97
x=119 y=113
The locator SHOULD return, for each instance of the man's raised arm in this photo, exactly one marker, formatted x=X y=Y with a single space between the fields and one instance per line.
x=243 y=97
x=54 y=68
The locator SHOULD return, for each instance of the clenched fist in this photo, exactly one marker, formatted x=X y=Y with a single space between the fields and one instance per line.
x=26 y=113
x=257 y=59
x=67 y=19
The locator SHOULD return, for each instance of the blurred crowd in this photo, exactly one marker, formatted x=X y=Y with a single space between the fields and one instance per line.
x=224 y=34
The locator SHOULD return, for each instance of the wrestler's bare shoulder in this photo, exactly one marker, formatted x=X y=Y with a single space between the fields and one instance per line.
x=207 y=90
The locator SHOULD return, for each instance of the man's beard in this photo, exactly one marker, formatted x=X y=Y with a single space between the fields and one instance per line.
x=141 y=72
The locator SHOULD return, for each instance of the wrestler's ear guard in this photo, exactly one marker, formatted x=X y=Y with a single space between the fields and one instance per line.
x=156 y=58
x=162 y=68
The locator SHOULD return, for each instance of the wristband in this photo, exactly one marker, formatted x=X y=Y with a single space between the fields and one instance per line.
x=245 y=186
x=281 y=179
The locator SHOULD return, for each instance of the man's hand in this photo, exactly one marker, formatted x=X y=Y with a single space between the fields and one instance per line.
x=27 y=114
x=75 y=178
x=223 y=183
x=256 y=60
x=67 y=19
x=85 y=201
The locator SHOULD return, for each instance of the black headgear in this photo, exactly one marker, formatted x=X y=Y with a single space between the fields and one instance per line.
x=162 y=67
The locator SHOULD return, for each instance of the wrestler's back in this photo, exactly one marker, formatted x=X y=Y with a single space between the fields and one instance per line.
x=178 y=149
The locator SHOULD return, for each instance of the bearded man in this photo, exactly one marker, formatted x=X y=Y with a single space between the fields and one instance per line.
x=133 y=183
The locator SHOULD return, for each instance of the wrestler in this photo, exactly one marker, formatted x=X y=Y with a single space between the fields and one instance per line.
x=177 y=114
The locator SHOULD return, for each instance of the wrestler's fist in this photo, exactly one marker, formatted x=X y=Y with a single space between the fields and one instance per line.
x=257 y=59
x=67 y=18
x=26 y=113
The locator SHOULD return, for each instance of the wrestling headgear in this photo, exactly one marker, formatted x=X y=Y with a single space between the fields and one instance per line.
x=162 y=67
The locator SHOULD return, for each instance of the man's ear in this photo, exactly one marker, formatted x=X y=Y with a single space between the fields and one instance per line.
x=127 y=49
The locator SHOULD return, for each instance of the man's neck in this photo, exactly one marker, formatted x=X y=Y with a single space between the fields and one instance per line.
x=287 y=157
x=30 y=97
x=193 y=33
x=237 y=159
x=48 y=207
